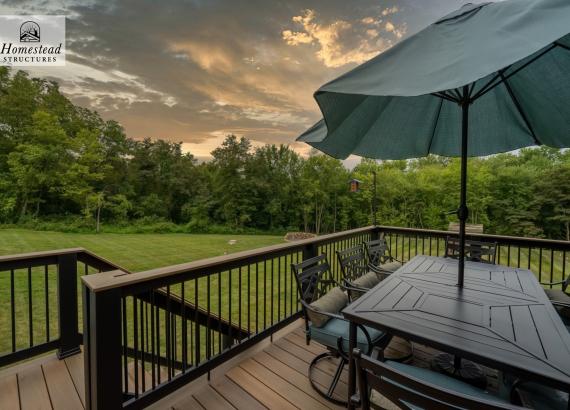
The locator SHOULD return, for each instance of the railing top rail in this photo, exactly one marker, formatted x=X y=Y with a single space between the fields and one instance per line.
x=497 y=238
x=40 y=254
x=119 y=278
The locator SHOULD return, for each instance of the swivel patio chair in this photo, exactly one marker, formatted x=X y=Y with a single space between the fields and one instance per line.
x=322 y=298
x=476 y=251
x=380 y=260
x=356 y=273
x=389 y=385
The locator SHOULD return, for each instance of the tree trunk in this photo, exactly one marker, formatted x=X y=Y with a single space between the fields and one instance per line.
x=99 y=204
x=24 y=207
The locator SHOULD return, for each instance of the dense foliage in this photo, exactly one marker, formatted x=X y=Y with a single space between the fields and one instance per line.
x=60 y=162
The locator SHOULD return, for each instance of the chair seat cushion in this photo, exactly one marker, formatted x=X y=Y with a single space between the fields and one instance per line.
x=335 y=328
x=367 y=281
x=443 y=381
x=557 y=295
x=332 y=302
x=391 y=266
x=542 y=397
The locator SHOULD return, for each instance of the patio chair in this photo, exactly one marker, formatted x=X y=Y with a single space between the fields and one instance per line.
x=387 y=384
x=322 y=298
x=560 y=297
x=355 y=271
x=476 y=251
x=380 y=260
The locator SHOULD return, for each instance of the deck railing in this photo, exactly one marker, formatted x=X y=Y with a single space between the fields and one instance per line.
x=39 y=302
x=548 y=259
x=149 y=333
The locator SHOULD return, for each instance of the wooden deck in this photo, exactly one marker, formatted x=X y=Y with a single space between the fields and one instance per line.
x=274 y=376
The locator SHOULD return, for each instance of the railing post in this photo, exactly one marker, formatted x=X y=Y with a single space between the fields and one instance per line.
x=69 y=340
x=375 y=234
x=102 y=344
x=309 y=251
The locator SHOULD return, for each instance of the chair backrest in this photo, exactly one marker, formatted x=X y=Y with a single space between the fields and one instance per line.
x=476 y=251
x=378 y=252
x=313 y=278
x=352 y=262
x=409 y=392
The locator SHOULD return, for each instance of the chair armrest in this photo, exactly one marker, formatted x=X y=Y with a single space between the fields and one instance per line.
x=561 y=304
x=553 y=283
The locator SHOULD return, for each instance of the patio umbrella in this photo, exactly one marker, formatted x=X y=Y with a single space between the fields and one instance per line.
x=487 y=78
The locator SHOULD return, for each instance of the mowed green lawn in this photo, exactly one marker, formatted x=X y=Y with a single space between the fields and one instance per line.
x=135 y=252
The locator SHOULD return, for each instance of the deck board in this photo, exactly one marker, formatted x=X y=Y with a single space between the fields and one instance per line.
x=33 y=390
x=60 y=385
x=275 y=377
x=75 y=366
x=210 y=399
x=9 y=397
x=241 y=399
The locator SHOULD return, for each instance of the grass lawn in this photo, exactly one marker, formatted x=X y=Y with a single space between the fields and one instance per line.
x=135 y=252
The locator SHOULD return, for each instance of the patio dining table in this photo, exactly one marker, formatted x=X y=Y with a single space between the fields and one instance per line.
x=501 y=318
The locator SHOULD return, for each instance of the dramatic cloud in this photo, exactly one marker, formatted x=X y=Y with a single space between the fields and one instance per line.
x=342 y=42
x=197 y=70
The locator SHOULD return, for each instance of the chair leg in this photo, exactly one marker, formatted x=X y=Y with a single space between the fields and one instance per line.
x=336 y=377
x=329 y=393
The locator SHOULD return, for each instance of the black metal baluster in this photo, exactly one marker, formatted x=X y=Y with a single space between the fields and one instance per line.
x=142 y=344
x=158 y=351
x=509 y=255
x=46 y=295
x=264 y=294
x=168 y=336
x=30 y=316
x=248 y=301
x=125 y=344
x=551 y=266
x=220 y=312
x=518 y=256
x=239 y=302
x=429 y=246
x=208 y=333
x=529 y=254
x=184 y=325
x=272 y=293
x=152 y=340
x=136 y=346
x=196 y=325
x=540 y=264
x=13 y=309
x=279 y=288
x=256 y=297
x=230 y=304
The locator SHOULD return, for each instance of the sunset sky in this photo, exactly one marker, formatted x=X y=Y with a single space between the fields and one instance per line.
x=194 y=71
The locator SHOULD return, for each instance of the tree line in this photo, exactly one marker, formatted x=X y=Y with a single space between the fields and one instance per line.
x=64 y=163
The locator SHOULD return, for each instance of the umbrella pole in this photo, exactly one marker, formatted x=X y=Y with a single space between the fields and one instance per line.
x=463 y=211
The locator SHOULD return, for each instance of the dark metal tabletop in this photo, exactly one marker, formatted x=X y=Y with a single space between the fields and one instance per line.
x=502 y=317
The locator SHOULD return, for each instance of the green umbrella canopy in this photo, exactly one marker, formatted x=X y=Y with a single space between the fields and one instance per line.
x=487 y=78
x=514 y=58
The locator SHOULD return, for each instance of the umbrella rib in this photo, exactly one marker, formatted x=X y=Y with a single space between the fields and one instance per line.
x=484 y=91
x=519 y=109
x=445 y=96
x=435 y=125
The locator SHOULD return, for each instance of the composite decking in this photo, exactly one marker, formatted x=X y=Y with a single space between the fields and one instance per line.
x=274 y=377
